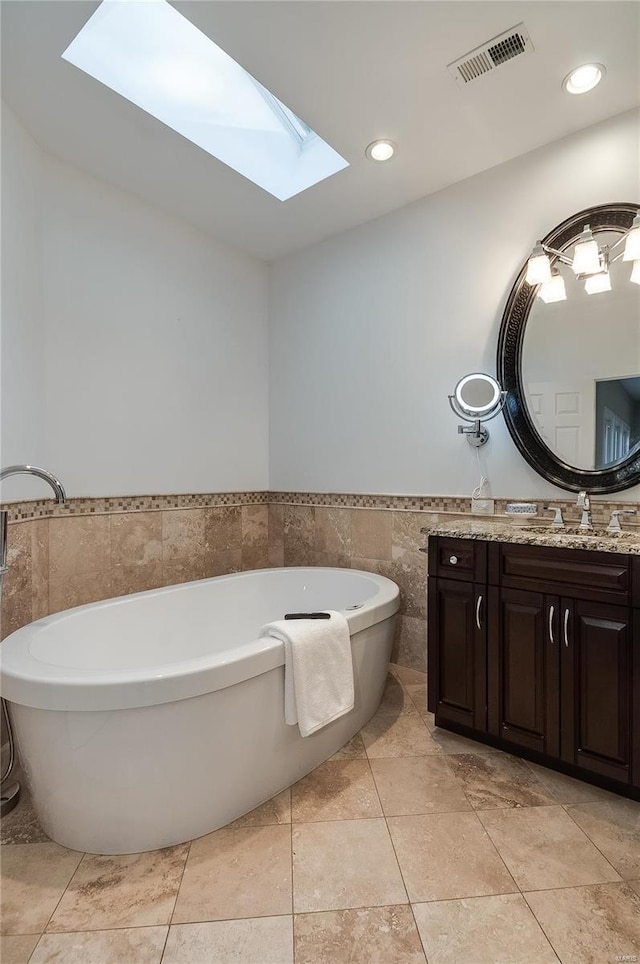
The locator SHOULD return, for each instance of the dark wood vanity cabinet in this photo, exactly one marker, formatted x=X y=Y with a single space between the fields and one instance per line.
x=596 y=673
x=537 y=650
x=458 y=626
x=523 y=689
x=461 y=653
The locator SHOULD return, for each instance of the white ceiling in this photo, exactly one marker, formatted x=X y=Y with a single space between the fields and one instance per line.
x=354 y=70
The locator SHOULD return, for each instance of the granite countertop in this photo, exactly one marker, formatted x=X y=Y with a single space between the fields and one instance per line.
x=502 y=530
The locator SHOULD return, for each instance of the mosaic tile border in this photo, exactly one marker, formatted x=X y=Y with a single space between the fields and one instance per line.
x=348 y=500
x=47 y=508
x=459 y=505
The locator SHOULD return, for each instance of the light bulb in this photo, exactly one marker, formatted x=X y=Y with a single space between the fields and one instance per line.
x=538 y=266
x=597 y=283
x=586 y=257
x=632 y=243
x=381 y=150
x=584 y=78
x=553 y=290
x=635 y=273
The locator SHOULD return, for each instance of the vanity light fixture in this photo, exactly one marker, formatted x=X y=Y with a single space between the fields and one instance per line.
x=586 y=257
x=381 y=150
x=584 y=78
x=590 y=263
x=632 y=244
x=554 y=289
x=538 y=266
x=598 y=282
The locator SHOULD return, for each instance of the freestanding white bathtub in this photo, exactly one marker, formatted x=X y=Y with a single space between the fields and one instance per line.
x=150 y=719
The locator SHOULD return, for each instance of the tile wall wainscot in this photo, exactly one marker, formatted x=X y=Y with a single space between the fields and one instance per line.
x=90 y=549
x=381 y=533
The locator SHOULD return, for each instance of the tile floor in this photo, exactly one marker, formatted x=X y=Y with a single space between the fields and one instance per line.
x=410 y=845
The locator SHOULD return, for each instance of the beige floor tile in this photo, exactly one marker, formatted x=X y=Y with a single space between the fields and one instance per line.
x=408 y=676
x=134 y=890
x=276 y=810
x=445 y=855
x=370 y=935
x=482 y=930
x=337 y=790
x=568 y=790
x=343 y=864
x=543 y=848
x=494 y=780
x=402 y=734
x=34 y=878
x=21 y=825
x=353 y=750
x=590 y=925
x=418 y=694
x=234 y=873
x=142 y=945
x=452 y=743
x=17 y=950
x=408 y=785
x=614 y=827
x=258 y=940
x=395 y=697
x=635 y=886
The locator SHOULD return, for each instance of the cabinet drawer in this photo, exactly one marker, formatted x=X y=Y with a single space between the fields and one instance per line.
x=463 y=559
x=601 y=576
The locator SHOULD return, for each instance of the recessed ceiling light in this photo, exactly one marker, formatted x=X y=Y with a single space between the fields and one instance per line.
x=584 y=78
x=381 y=150
x=157 y=59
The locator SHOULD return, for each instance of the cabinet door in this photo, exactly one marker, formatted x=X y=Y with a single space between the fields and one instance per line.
x=457 y=637
x=596 y=688
x=524 y=670
x=635 y=693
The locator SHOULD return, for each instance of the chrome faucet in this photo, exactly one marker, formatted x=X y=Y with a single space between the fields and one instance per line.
x=558 y=521
x=614 y=521
x=584 y=504
x=10 y=792
x=56 y=485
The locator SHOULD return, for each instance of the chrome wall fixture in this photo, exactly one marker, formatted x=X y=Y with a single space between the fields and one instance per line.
x=477 y=398
x=590 y=263
x=10 y=791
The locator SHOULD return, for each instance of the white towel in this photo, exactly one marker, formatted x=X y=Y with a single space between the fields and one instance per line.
x=318 y=669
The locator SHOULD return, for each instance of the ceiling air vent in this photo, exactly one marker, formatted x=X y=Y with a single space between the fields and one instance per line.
x=501 y=49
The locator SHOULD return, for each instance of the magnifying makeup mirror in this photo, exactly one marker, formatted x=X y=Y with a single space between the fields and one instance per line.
x=477 y=398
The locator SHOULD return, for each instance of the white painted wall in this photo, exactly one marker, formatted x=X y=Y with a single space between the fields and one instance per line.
x=154 y=340
x=135 y=348
x=21 y=342
x=369 y=331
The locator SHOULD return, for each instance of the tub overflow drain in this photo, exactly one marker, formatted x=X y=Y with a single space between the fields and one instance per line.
x=357 y=606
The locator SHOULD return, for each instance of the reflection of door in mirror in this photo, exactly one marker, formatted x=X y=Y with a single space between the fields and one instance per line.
x=582 y=356
x=564 y=415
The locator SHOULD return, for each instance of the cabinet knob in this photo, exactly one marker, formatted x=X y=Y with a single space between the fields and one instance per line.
x=453 y=560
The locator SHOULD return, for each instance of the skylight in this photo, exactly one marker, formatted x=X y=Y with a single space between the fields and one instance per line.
x=153 y=56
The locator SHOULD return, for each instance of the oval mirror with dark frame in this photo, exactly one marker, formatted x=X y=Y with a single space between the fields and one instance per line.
x=569 y=352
